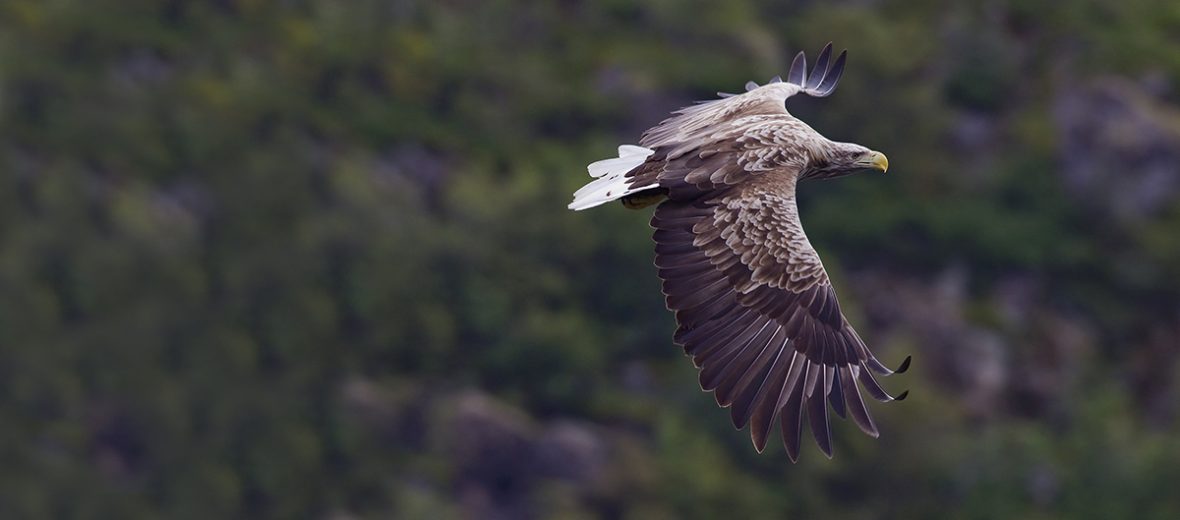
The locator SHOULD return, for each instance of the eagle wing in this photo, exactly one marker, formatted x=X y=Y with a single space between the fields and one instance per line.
x=756 y=311
x=689 y=122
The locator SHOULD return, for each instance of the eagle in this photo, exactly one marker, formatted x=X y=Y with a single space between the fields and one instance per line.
x=754 y=308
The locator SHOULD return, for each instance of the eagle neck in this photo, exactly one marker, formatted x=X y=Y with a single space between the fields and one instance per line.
x=824 y=162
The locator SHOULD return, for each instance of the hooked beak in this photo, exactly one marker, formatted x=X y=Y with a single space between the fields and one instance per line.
x=876 y=161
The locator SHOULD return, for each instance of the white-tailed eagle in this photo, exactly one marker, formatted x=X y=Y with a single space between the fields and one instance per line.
x=754 y=307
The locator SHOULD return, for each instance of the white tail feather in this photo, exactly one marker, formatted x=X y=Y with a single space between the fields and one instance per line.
x=611 y=182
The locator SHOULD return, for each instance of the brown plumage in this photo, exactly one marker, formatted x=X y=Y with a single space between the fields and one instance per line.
x=754 y=307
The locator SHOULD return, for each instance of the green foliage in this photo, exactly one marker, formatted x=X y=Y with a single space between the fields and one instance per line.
x=251 y=251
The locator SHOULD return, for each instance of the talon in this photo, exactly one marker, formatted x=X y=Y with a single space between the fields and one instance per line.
x=902 y=396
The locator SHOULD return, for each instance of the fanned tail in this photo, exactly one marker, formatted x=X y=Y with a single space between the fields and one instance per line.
x=611 y=181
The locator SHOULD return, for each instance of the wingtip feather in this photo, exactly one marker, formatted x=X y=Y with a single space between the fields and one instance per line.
x=905 y=365
x=798 y=72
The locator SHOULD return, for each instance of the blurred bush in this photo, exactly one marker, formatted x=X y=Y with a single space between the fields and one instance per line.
x=312 y=258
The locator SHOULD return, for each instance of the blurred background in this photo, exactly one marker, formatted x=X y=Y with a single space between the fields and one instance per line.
x=311 y=259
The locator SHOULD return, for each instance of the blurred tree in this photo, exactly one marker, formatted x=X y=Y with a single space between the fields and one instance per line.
x=311 y=259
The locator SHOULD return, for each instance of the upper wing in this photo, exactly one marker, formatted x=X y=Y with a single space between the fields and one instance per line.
x=689 y=122
x=758 y=315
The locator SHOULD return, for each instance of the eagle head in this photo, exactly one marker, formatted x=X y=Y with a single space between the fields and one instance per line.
x=839 y=159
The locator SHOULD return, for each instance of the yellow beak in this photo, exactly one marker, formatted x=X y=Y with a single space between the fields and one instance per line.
x=879 y=161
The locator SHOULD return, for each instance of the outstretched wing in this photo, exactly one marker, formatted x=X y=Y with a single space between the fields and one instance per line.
x=689 y=122
x=758 y=315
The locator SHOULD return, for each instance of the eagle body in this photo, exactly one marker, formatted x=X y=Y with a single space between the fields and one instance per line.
x=754 y=307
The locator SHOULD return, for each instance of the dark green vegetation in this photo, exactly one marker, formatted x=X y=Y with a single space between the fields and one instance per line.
x=312 y=258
